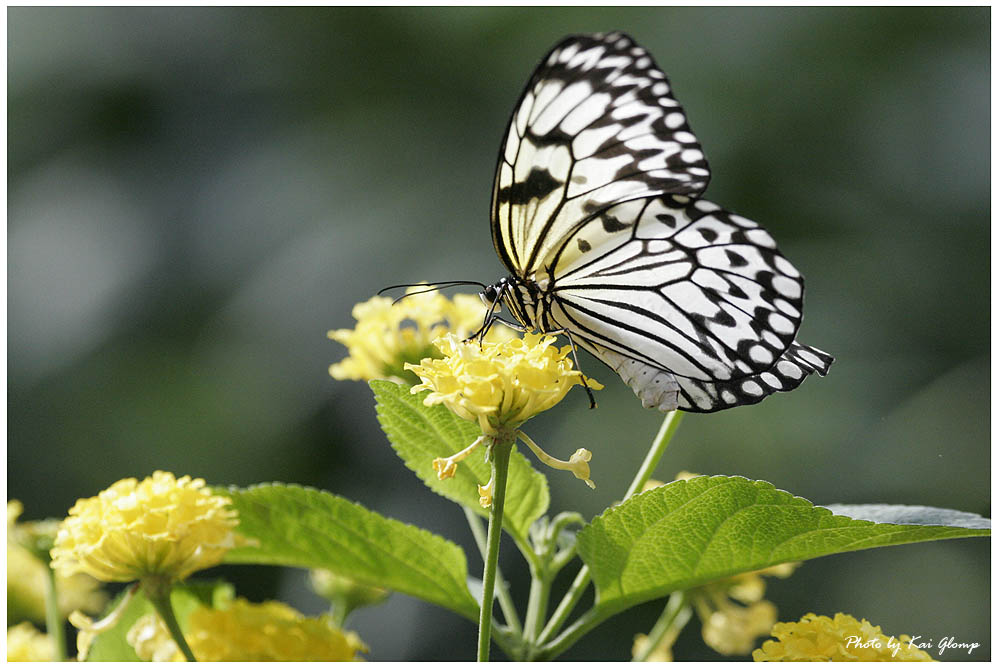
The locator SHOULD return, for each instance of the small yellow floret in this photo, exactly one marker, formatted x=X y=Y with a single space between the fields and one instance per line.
x=248 y=632
x=499 y=385
x=817 y=638
x=732 y=628
x=27 y=644
x=388 y=335
x=152 y=642
x=486 y=494
x=162 y=526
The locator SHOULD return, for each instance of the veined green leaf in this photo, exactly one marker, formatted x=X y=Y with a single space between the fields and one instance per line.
x=691 y=532
x=420 y=434
x=308 y=528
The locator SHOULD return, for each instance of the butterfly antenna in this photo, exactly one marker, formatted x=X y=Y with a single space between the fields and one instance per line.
x=430 y=286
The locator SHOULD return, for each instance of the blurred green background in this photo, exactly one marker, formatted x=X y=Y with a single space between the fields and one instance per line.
x=195 y=196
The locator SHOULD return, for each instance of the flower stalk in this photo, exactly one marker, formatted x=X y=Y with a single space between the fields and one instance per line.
x=53 y=618
x=663 y=437
x=503 y=594
x=157 y=590
x=675 y=615
x=500 y=450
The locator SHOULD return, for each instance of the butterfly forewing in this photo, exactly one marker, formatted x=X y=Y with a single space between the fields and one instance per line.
x=596 y=125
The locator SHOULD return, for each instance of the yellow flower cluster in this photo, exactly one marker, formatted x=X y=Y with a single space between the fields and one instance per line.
x=248 y=632
x=27 y=644
x=27 y=580
x=817 y=638
x=388 y=335
x=732 y=628
x=499 y=385
x=162 y=526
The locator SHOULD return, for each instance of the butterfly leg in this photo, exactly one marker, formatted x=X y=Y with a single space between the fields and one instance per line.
x=576 y=361
x=488 y=324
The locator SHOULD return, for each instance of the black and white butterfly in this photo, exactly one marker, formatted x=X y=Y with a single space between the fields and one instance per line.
x=597 y=214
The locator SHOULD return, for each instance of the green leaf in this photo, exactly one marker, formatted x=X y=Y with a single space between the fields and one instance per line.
x=308 y=528
x=901 y=514
x=420 y=434
x=111 y=645
x=688 y=533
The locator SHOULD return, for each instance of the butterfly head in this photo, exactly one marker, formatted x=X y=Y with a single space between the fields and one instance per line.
x=490 y=295
x=521 y=298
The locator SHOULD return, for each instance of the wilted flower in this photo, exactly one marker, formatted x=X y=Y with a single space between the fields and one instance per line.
x=388 y=335
x=27 y=644
x=248 y=632
x=27 y=581
x=817 y=638
x=162 y=526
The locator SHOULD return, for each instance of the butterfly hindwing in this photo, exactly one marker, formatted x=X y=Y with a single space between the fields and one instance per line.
x=597 y=124
x=690 y=289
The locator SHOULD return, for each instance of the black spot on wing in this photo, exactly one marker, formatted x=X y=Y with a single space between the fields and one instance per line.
x=539 y=184
x=709 y=234
x=613 y=224
x=736 y=260
x=668 y=219
x=583 y=245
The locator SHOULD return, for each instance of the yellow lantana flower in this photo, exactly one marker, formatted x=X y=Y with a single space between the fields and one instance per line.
x=248 y=632
x=162 y=526
x=27 y=581
x=390 y=334
x=817 y=638
x=501 y=386
x=27 y=644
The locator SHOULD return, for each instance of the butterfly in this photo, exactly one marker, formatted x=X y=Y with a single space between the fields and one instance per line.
x=597 y=215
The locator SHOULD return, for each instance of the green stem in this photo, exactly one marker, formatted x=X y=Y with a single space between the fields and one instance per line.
x=501 y=459
x=338 y=611
x=503 y=595
x=675 y=615
x=538 y=603
x=53 y=618
x=667 y=430
x=663 y=437
x=157 y=590
x=569 y=600
x=570 y=635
